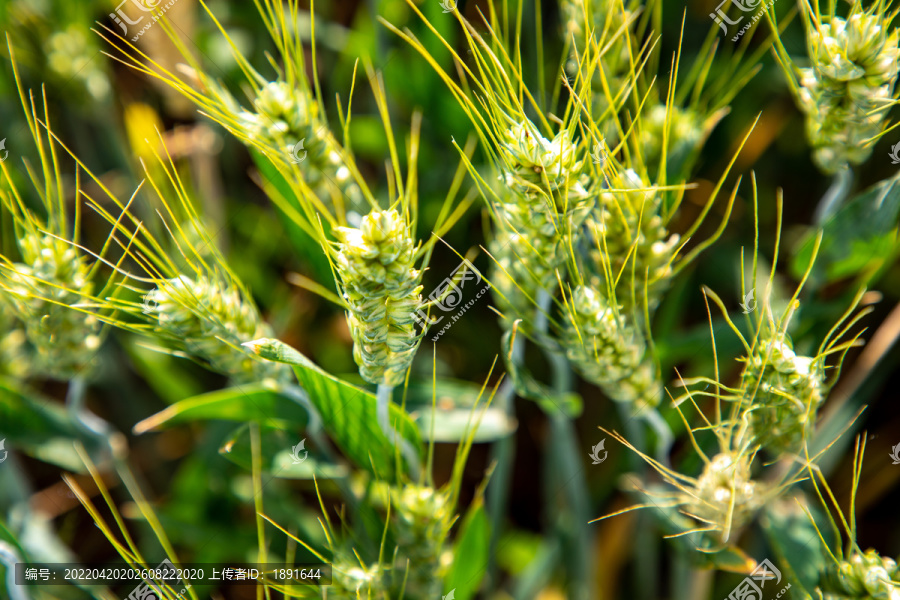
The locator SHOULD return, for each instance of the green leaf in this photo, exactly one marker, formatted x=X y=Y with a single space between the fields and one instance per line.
x=470 y=553
x=27 y=417
x=348 y=413
x=308 y=248
x=449 y=392
x=7 y=536
x=796 y=544
x=278 y=456
x=447 y=411
x=37 y=426
x=858 y=239
x=454 y=425
x=254 y=402
x=569 y=403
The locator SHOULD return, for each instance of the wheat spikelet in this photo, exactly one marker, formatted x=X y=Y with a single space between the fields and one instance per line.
x=725 y=492
x=211 y=320
x=287 y=117
x=420 y=521
x=54 y=340
x=781 y=393
x=629 y=235
x=545 y=197
x=350 y=580
x=862 y=575
x=608 y=350
x=383 y=292
x=847 y=91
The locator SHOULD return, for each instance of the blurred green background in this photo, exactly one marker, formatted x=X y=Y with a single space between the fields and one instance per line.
x=102 y=109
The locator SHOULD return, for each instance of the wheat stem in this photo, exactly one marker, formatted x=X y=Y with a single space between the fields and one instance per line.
x=834 y=196
x=382 y=409
x=8 y=558
x=565 y=465
x=663 y=433
x=299 y=395
x=503 y=453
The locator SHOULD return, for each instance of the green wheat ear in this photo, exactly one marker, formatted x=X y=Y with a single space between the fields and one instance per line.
x=287 y=127
x=544 y=197
x=850 y=571
x=375 y=264
x=849 y=87
x=284 y=120
x=608 y=350
x=191 y=298
x=718 y=503
x=725 y=493
x=352 y=580
x=605 y=37
x=382 y=289
x=780 y=391
x=862 y=575
x=781 y=394
x=628 y=232
x=52 y=276
x=212 y=321
x=46 y=336
x=422 y=517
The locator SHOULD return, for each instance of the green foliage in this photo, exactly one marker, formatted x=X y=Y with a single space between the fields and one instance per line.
x=859 y=239
x=470 y=553
x=35 y=423
x=276 y=455
x=348 y=412
x=253 y=402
